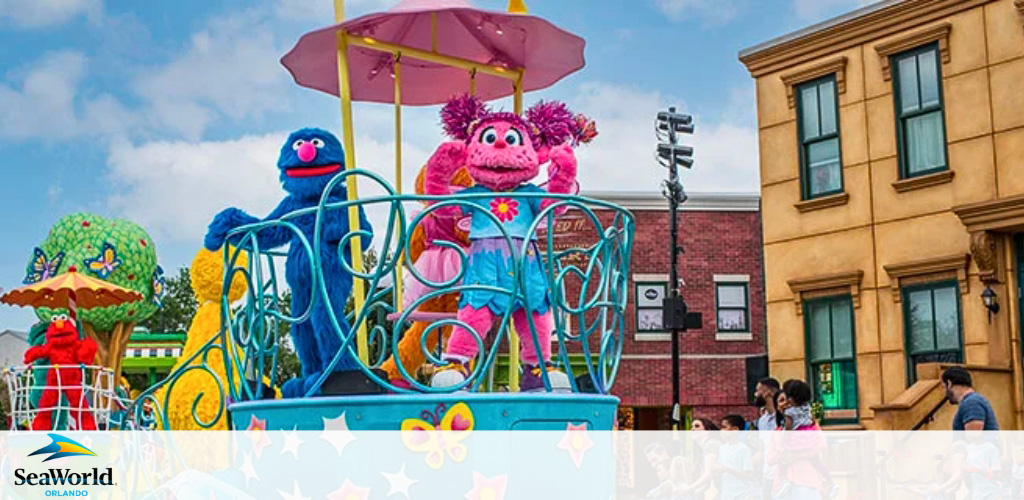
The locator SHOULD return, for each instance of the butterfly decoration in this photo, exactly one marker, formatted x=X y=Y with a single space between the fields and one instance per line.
x=440 y=435
x=586 y=130
x=105 y=263
x=159 y=286
x=42 y=268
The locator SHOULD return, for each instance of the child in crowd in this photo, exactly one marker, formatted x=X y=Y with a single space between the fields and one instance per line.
x=794 y=404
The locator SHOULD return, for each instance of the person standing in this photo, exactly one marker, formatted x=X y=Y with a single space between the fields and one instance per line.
x=974 y=412
x=764 y=398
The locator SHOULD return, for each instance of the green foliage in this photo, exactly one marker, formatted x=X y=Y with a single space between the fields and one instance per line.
x=5 y=405
x=81 y=237
x=179 y=305
x=288 y=365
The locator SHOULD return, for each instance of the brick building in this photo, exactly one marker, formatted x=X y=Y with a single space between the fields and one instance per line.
x=722 y=279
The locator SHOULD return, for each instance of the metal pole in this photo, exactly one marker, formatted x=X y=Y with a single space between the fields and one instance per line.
x=673 y=205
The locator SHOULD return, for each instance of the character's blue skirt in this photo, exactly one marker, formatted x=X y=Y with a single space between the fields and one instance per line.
x=492 y=263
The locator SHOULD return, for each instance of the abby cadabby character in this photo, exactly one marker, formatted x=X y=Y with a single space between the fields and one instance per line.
x=503 y=153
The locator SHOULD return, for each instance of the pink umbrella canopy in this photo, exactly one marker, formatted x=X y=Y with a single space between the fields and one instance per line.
x=545 y=52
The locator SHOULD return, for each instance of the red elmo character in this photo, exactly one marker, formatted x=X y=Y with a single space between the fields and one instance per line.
x=64 y=350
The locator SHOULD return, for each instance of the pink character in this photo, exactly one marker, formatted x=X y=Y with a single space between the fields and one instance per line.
x=503 y=153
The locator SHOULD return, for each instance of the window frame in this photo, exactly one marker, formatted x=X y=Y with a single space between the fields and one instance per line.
x=804 y=144
x=902 y=158
x=745 y=308
x=905 y=298
x=809 y=365
x=639 y=334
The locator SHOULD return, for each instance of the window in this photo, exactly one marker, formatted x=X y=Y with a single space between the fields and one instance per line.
x=831 y=356
x=931 y=316
x=649 y=296
x=731 y=306
x=920 y=126
x=821 y=171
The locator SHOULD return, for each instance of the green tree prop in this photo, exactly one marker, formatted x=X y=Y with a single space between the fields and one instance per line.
x=81 y=237
x=179 y=305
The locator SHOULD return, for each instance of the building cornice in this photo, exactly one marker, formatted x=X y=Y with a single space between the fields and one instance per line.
x=697 y=202
x=938 y=33
x=835 y=66
x=824 y=285
x=855 y=28
x=908 y=273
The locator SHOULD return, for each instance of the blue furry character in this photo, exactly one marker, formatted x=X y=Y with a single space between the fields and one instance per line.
x=309 y=159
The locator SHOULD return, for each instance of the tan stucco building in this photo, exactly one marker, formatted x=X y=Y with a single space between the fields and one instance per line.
x=892 y=180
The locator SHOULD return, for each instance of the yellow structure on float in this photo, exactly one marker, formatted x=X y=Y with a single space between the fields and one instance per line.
x=891 y=156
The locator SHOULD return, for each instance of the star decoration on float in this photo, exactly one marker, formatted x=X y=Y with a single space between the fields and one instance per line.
x=399 y=483
x=248 y=470
x=349 y=491
x=257 y=434
x=291 y=442
x=336 y=432
x=576 y=442
x=296 y=493
x=488 y=488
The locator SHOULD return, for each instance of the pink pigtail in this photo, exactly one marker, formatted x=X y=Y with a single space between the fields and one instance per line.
x=459 y=115
x=552 y=124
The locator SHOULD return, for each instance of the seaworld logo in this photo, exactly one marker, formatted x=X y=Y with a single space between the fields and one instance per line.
x=64 y=447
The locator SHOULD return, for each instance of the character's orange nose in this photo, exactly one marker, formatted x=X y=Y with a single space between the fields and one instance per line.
x=59 y=324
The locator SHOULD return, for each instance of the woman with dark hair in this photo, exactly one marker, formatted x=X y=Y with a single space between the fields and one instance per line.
x=704 y=457
x=800 y=473
x=703 y=424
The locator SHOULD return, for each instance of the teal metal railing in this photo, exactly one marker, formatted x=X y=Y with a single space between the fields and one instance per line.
x=588 y=284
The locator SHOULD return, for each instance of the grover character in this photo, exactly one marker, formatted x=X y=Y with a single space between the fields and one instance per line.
x=65 y=351
x=503 y=153
x=308 y=160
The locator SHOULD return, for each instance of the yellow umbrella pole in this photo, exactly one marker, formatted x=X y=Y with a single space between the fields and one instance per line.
x=398 y=174
x=348 y=138
x=513 y=336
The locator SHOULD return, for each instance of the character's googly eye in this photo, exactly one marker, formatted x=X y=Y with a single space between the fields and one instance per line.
x=513 y=137
x=318 y=142
x=489 y=136
x=54 y=318
x=63 y=317
x=298 y=144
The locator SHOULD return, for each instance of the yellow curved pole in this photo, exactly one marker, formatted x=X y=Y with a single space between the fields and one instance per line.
x=348 y=138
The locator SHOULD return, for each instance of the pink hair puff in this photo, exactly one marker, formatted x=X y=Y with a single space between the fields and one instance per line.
x=552 y=123
x=461 y=115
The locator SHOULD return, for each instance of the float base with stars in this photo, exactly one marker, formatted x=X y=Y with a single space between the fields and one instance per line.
x=483 y=411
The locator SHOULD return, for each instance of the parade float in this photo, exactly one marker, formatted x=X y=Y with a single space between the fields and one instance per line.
x=550 y=318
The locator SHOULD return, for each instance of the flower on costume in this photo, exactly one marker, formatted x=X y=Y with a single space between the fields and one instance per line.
x=505 y=209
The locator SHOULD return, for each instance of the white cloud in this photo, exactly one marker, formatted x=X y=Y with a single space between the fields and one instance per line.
x=815 y=10
x=621 y=158
x=41 y=13
x=230 y=69
x=715 y=11
x=174 y=188
x=45 y=102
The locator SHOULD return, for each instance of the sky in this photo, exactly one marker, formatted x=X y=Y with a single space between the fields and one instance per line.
x=164 y=113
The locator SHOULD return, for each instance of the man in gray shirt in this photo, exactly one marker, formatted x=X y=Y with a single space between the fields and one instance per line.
x=974 y=412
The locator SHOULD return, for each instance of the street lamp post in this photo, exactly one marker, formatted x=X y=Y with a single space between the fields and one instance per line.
x=672 y=155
